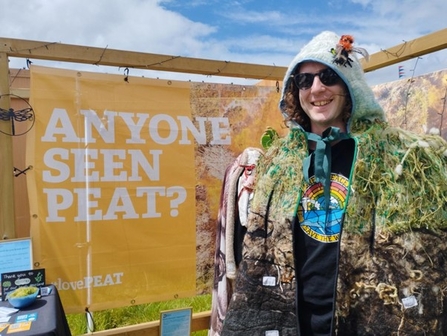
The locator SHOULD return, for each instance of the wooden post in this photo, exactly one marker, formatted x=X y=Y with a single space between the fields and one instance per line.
x=7 y=216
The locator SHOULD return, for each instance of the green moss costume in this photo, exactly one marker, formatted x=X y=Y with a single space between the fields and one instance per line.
x=392 y=266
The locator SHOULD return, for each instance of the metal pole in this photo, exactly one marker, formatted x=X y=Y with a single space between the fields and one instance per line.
x=442 y=113
x=7 y=216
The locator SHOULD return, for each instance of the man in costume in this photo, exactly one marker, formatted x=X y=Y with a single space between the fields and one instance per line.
x=347 y=230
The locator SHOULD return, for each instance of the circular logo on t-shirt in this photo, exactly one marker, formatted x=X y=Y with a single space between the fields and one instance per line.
x=314 y=221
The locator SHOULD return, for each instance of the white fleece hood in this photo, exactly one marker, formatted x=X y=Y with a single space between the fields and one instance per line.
x=320 y=49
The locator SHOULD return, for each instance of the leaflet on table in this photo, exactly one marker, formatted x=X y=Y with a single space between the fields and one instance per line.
x=3 y=326
x=17 y=327
x=6 y=311
x=26 y=317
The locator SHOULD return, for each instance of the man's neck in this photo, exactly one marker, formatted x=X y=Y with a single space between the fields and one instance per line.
x=319 y=129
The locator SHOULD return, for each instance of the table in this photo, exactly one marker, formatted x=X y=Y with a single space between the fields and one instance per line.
x=50 y=319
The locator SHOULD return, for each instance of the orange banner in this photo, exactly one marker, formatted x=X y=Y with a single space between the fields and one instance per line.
x=126 y=180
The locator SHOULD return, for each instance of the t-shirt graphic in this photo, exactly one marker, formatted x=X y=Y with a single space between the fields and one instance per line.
x=312 y=215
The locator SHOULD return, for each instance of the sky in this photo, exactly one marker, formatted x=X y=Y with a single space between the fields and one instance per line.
x=268 y=32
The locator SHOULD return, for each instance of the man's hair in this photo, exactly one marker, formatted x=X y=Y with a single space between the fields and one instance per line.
x=296 y=113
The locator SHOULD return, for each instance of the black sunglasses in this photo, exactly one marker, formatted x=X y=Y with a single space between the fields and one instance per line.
x=305 y=80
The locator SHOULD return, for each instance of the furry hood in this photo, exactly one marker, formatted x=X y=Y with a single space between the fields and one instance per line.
x=320 y=49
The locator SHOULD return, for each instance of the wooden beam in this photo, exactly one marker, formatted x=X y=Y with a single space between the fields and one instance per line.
x=7 y=213
x=54 y=51
x=20 y=92
x=410 y=49
x=200 y=321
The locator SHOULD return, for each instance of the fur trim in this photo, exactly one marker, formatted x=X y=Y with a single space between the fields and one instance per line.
x=248 y=157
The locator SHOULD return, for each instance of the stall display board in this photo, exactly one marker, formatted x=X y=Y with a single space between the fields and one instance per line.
x=10 y=281
x=176 y=322
x=16 y=255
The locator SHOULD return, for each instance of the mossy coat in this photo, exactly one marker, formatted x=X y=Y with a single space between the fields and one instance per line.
x=392 y=263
